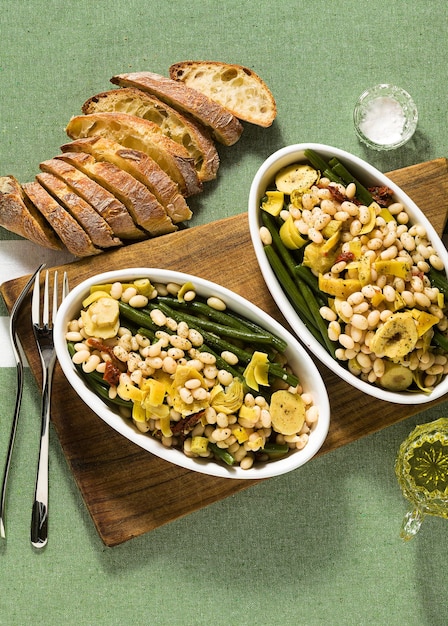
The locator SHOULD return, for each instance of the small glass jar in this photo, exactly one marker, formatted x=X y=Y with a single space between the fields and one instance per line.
x=421 y=468
x=385 y=117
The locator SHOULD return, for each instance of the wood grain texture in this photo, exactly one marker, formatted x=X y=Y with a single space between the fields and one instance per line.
x=128 y=491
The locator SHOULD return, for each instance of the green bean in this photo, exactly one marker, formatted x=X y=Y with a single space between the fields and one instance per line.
x=439 y=280
x=201 y=308
x=275 y=450
x=96 y=382
x=314 y=308
x=227 y=318
x=440 y=339
x=222 y=364
x=222 y=454
x=289 y=286
x=305 y=273
x=347 y=177
x=243 y=355
x=320 y=164
x=222 y=330
x=139 y=317
x=287 y=258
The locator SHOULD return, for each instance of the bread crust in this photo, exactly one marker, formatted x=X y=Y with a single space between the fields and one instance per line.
x=139 y=165
x=178 y=127
x=104 y=202
x=19 y=216
x=134 y=132
x=224 y=126
x=95 y=226
x=237 y=88
x=142 y=205
x=74 y=237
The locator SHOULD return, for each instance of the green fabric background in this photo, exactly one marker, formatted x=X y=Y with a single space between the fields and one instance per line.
x=320 y=545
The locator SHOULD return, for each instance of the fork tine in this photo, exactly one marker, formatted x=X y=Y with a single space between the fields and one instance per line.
x=46 y=310
x=35 y=302
x=55 y=296
x=65 y=286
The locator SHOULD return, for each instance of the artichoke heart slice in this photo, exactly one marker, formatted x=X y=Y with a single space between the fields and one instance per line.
x=424 y=321
x=287 y=412
x=394 y=267
x=290 y=235
x=256 y=372
x=396 y=337
x=101 y=319
x=338 y=287
x=273 y=203
x=374 y=209
x=184 y=373
x=227 y=401
x=296 y=176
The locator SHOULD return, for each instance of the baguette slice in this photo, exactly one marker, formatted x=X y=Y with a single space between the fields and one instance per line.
x=70 y=232
x=184 y=131
x=20 y=216
x=237 y=88
x=104 y=202
x=224 y=126
x=95 y=226
x=135 y=132
x=143 y=206
x=139 y=165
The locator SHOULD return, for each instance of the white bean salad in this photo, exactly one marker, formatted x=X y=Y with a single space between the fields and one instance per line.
x=191 y=373
x=367 y=282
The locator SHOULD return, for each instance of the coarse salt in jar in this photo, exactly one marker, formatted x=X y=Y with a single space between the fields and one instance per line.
x=385 y=117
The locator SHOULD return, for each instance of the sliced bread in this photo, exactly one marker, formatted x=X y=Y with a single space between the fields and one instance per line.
x=95 y=226
x=224 y=126
x=143 y=206
x=104 y=202
x=178 y=127
x=134 y=132
x=139 y=165
x=74 y=237
x=20 y=216
x=235 y=87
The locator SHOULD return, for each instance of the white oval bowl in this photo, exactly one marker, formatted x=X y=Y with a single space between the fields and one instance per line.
x=301 y=363
x=368 y=176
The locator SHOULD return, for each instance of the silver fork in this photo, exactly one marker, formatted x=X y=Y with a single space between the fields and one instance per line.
x=43 y=332
x=19 y=371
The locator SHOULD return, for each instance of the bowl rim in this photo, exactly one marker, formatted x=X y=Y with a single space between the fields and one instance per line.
x=72 y=303
x=285 y=156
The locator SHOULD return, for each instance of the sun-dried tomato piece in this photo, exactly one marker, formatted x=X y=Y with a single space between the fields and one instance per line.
x=97 y=344
x=348 y=257
x=186 y=424
x=111 y=374
x=337 y=193
x=383 y=195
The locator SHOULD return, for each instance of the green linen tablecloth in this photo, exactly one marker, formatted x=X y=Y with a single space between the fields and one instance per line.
x=320 y=545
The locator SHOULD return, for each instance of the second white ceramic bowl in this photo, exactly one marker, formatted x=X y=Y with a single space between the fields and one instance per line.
x=300 y=362
x=369 y=176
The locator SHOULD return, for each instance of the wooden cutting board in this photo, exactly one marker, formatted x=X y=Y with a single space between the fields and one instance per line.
x=128 y=491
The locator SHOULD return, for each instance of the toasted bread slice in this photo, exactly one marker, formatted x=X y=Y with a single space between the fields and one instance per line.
x=224 y=126
x=20 y=216
x=142 y=205
x=235 y=87
x=104 y=202
x=95 y=226
x=70 y=232
x=139 y=165
x=134 y=132
x=184 y=131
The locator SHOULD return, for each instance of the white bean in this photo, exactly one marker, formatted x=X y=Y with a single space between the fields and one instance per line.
x=216 y=303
